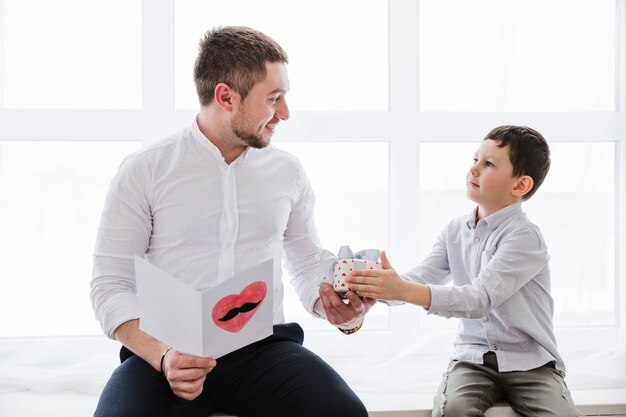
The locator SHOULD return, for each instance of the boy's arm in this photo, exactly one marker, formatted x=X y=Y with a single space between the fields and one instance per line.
x=386 y=284
x=520 y=257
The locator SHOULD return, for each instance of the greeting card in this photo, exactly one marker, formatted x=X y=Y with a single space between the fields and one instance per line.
x=211 y=323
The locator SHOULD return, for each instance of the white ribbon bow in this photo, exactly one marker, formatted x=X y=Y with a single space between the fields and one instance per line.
x=327 y=259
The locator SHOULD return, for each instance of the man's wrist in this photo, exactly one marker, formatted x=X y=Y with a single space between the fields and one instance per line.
x=351 y=330
x=161 y=369
x=318 y=309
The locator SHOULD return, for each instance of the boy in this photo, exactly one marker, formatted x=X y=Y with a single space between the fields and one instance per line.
x=498 y=262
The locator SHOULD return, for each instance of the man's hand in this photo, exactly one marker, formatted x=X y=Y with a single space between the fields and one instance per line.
x=342 y=313
x=186 y=373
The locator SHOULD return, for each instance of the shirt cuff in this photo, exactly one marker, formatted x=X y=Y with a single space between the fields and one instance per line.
x=308 y=296
x=122 y=308
x=439 y=301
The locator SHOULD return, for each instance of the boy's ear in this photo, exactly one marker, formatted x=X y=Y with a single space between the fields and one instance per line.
x=523 y=185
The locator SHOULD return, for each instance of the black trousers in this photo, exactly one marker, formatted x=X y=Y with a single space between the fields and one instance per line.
x=275 y=377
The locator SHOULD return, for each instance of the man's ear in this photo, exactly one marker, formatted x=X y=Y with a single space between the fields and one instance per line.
x=224 y=96
x=523 y=185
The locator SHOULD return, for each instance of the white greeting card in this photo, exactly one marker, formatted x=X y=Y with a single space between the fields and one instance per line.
x=211 y=323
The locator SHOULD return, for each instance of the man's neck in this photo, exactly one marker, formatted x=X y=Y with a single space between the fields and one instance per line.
x=230 y=153
x=218 y=136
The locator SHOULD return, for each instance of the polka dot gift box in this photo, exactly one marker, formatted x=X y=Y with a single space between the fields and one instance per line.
x=335 y=269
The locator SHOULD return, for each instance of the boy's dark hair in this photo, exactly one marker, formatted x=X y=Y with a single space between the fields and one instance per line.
x=234 y=55
x=528 y=151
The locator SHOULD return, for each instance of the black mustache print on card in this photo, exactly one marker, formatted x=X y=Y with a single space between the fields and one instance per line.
x=233 y=312
x=243 y=309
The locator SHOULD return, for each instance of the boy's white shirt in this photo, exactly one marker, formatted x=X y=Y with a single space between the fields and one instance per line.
x=501 y=289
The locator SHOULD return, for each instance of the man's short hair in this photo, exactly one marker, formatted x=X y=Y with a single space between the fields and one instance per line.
x=528 y=151
x=236 y=56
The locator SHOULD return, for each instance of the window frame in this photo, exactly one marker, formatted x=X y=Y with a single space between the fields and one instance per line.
x=404 y=126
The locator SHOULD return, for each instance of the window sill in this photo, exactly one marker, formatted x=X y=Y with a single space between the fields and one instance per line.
x=608 y=402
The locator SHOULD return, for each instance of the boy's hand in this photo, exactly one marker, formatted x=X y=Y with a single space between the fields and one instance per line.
x=383 y=284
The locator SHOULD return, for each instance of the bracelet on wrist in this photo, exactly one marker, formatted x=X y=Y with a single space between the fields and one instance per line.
x=162 y=359
x=352 y=330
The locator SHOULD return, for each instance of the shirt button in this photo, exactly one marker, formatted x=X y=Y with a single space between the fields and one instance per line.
x=494 y=347
x=476 y=239
x=485 y=318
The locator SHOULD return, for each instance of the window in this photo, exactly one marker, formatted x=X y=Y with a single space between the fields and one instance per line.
x=70 y=54
x=339 y=65
x=50 y=204
x=391 y=95
x=517 y=56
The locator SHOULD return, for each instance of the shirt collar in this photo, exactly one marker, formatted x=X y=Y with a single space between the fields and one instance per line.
x=496 y=219
x=210 y=147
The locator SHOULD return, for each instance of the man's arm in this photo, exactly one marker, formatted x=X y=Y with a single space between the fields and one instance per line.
x=140 y=343
x=302 y=249
x=185 y=373
x=125 y=228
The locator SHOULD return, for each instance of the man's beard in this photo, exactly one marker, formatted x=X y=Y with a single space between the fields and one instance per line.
x=252 y=139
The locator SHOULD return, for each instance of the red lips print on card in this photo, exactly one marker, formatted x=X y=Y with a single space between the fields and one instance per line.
x=234 y=311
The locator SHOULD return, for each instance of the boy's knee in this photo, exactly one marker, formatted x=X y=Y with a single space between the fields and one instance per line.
x=453 y=407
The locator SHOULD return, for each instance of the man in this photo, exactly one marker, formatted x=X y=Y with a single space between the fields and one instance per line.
x=202 y=205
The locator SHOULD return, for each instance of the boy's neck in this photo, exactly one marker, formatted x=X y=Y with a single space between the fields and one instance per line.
x=482 y=212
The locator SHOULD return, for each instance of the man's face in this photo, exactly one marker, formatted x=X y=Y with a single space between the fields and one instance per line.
x=490 y=179
x=259 y=113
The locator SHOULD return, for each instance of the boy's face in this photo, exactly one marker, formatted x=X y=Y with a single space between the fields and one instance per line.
x=490 y=180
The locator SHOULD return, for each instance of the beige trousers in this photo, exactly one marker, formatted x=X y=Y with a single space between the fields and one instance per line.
x=468 y=390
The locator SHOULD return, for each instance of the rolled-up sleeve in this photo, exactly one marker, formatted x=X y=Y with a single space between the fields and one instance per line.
x=124 y=231
x=302 y=246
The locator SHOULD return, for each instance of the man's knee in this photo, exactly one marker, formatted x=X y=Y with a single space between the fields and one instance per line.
x=336 y=400
x=351 y=407
x=340 y=407
x=135 y=390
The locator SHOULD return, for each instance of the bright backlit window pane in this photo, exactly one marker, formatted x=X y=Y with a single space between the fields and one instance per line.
x=70 y=54
x=574 y=208
x=51 y=196
x=351 y=184
x=509 y=55
x=338 y=50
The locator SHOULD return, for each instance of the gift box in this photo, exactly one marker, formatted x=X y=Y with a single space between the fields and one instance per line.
x=335 y=269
